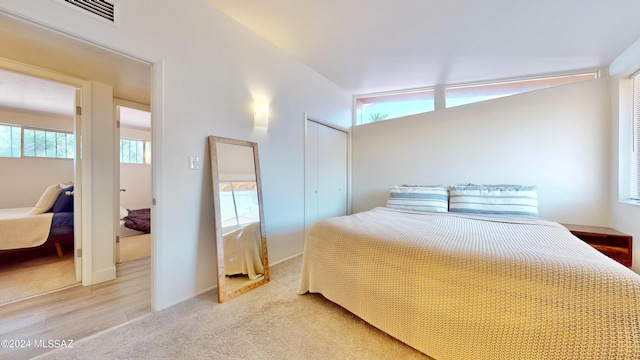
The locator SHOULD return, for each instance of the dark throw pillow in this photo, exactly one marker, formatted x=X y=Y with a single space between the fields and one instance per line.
x=64 y=203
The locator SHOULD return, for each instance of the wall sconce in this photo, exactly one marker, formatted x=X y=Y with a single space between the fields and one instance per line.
x=260 y=114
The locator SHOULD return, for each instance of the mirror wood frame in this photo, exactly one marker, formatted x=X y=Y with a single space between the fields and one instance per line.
x=223 y=293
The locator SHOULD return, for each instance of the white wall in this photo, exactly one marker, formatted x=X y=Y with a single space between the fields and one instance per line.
x=25 y=179
x=556 y=138
x=36 y=120
x=625 y=216
x=103 y=186
x=207 y=71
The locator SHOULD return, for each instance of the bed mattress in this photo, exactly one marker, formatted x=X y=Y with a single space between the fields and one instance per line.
x=243 y=251
x=474 y=287
x=20 y=229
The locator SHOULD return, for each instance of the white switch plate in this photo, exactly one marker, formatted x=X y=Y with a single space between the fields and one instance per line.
x=194 y=162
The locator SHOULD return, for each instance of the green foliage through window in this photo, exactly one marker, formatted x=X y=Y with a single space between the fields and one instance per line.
x=377 y=117
x=50 y=144
x=10 y=141
x=379 y=107
x=134 y=151
x=16 y=142
x=369 y=108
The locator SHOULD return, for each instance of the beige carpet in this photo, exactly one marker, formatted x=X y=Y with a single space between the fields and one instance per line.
x=270 y=322
x=30 y=273
x=135 y=247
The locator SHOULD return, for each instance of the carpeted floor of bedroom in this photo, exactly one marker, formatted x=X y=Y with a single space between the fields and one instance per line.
x=270 y=322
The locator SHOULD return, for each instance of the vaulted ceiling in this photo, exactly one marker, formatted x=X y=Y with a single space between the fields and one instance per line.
x=368 y=46
x=375 y=45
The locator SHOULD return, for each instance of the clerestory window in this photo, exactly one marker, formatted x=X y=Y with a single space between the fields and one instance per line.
x=371 y=108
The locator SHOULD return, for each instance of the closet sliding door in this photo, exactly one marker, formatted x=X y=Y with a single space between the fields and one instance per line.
x=326 y=164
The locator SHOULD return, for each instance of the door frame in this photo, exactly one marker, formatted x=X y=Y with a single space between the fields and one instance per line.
x=82 y=167
x=157 y=70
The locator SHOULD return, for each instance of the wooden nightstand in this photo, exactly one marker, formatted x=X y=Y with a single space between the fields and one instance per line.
x=611 y=242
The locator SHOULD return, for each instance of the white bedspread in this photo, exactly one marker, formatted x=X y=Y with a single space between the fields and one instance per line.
x=243 y=251
x=19 y=229
x=460 y=287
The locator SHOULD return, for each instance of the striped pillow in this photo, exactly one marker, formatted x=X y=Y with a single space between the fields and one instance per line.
x=494 y=199
x=419 y=198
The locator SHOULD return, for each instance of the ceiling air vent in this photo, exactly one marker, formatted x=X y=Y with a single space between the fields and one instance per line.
x=99 y=8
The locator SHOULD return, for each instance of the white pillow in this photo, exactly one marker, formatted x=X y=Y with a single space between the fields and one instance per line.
x=418 y=198
x=494 y=199
x=47 y=200
x=123 y=213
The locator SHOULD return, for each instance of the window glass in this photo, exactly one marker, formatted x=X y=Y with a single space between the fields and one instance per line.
x=10 y=141
x=134 y=151
x=377 y=107
x=147 y=152
x=128 y=152
x=238 y=203
x=467 y=94
x=51 y=144
x=635 y=152
x=392 y=105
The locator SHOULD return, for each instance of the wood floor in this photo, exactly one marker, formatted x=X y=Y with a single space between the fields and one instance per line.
x=42 y=323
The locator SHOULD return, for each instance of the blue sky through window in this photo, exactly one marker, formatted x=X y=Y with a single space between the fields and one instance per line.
x=385 y=106
x=394 y=109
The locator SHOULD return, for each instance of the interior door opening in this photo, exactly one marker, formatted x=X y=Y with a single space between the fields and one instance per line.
x=72 y=59
x=39 y=144
x=133 y=241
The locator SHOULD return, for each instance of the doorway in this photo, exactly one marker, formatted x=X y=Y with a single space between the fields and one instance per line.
x=127 y=76
x=133 y=126
x=39 y=128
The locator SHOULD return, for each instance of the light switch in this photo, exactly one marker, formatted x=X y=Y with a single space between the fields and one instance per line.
x=194 y=162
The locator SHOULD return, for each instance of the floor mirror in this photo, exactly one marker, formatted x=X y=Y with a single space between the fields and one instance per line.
x=241 y=242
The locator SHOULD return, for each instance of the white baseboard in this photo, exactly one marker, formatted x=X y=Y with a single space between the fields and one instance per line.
x=103 y=275
x=215 y=287
x=285 y=259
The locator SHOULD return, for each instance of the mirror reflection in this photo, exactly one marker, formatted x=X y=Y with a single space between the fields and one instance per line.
x=241 y=243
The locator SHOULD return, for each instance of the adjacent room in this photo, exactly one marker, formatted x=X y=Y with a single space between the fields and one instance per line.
x=134 y=232
x=38 y=153
x=39 y=149
x=428 y=180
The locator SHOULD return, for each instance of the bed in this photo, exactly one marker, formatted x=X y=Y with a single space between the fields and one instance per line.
x=135 y=222
x=243 y=251
x=48 y=223
x=465 y=285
